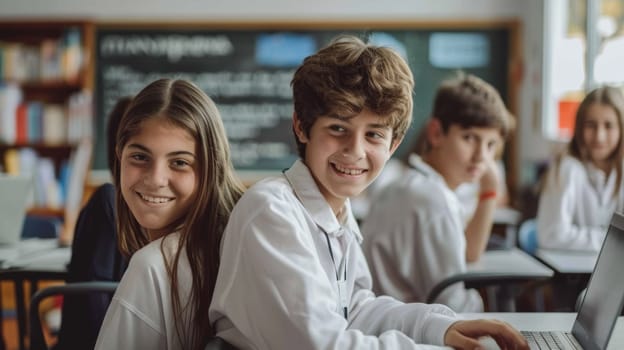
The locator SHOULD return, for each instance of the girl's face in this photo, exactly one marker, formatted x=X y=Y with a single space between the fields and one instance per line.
x=159 y=175
x=601 y=132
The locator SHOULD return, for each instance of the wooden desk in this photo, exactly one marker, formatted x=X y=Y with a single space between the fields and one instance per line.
x=34 y=261
x=500 y=268
x=548 y=321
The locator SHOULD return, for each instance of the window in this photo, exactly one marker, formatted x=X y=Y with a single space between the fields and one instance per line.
x=584 y=49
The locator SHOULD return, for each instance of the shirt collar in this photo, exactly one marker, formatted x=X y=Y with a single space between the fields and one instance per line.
x=308 y=193
x=599 y=179
x=416 y=162
x=419 y=165
x=596 y=173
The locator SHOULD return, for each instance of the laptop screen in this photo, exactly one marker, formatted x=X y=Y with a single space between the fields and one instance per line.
x=14 y=193
x=605 y=291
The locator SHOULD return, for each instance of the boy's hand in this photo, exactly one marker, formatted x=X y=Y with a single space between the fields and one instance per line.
x=464 y=335
x=489 y=179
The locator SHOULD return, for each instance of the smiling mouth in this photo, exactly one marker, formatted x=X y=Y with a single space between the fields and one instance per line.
x=348 y=171
x=156 y=200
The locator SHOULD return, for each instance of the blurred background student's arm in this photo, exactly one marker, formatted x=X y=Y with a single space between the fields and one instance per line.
x=480 y=225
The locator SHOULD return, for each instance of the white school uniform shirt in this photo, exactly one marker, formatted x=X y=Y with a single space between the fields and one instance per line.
x=140 y=315
x=576 y=205
x=392 y=171
x=278 y=286
x=414 y=238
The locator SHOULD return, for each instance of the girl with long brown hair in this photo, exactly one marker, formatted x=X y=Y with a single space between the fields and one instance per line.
x=584 y=186
x=175 y=188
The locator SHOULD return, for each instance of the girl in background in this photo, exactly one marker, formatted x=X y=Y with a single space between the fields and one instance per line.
x=175 y=189
x=584 y=186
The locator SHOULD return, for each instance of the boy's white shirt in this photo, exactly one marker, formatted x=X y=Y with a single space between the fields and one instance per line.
x=576 y=205
x=140 y=315
x=277 y=286
x=414 y=238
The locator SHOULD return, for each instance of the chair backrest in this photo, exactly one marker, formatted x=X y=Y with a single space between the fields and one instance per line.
x=37 y=341
x=527 y=236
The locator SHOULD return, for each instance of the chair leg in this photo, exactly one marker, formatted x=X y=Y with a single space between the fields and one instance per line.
x=506 y=299
x=539 y=300
x=491 y=293
x=21 y=312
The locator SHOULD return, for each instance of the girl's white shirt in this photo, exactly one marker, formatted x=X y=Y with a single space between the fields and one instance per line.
x=278 y=287
x=140 y=315
x=576 y=205
x=415 y=238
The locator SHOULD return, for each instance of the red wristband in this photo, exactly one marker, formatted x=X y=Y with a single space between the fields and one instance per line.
x=487 y=195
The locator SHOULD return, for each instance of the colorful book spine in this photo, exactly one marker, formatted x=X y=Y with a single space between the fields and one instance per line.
x=35 y=111
x=10 y=99
x=21 y=124
x=54 y=124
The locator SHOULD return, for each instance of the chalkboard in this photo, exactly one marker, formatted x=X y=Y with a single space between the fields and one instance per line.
x=247 y=72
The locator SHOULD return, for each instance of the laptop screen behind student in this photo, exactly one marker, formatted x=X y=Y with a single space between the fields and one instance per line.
x=605 y=292
x=14 y=192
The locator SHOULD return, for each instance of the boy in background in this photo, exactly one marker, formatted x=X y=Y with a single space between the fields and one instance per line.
x=416 y=234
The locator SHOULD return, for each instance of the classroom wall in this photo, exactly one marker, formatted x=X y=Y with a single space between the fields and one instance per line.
x=532 y=146
x=250 y=9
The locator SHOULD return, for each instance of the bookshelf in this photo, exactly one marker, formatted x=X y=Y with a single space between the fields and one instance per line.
x=46 y=109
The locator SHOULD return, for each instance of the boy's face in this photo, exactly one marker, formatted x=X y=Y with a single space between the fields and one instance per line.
x=463 y=154
x=345 y=155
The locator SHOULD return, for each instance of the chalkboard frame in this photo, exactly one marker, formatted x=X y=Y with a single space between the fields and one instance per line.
x=513 y=54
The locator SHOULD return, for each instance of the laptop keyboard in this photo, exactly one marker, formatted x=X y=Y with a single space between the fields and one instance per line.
x=548 y=341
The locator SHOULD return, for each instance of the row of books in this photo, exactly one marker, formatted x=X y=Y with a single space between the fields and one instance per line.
x=31 y=122
x=50 y=191
x=53 y=188
x=59 y=59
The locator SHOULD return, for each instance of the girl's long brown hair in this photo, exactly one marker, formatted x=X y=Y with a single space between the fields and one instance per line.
x=185 y=106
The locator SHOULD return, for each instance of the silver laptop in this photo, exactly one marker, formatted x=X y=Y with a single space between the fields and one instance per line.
x=14 y=195
x=602 y=303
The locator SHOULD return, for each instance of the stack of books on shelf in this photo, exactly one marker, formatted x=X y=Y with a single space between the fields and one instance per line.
x=49 y=191
x=51 y=60
x=53 y=188
x=34 y=122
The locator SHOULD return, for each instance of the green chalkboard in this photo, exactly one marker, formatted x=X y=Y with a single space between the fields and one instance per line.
x=247 y=72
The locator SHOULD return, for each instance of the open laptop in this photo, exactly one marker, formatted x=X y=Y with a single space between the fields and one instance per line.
x=14 y=194
x=602 y=303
